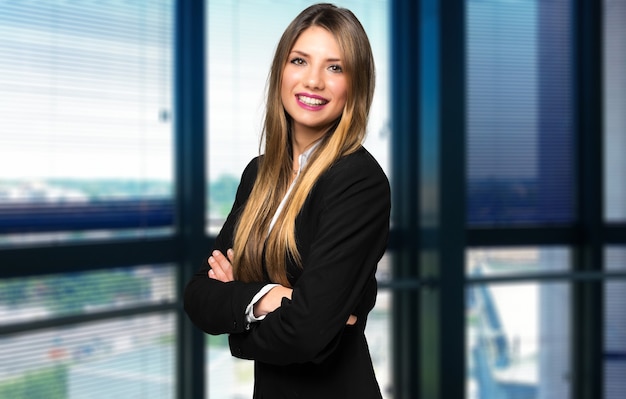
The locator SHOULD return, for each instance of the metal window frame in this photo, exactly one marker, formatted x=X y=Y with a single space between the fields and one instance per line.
x=428 y=42
x=428 y=315
x=185 y=248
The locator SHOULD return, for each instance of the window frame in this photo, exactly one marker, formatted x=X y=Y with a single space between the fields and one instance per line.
x=428 y=324
x=428 y=320
x=185 y=248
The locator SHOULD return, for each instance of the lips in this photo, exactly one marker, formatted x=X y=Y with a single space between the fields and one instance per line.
x=311 y=100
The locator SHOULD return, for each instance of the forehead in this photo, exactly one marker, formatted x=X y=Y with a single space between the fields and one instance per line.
x=316 y=40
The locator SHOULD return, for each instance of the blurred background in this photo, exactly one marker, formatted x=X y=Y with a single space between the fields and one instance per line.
x=125 y=126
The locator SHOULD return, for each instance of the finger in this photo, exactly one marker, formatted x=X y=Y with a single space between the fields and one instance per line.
x=351 y=320
x=221 y=265
x=228 y=268
x=217 y=270
x=220 y=258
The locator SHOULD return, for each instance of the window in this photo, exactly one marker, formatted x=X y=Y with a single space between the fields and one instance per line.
x=614 y=117
x=518 y=333
x=86 y=152
x=86 y=119
x=615 y=326
x=86 y=144
x=520 y=173
x=109 y=356
x=520 y=131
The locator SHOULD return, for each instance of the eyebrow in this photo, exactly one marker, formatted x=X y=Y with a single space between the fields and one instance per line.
x=302 y=53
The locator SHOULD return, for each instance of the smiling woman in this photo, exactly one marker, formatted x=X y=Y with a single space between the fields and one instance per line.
x=297 y=256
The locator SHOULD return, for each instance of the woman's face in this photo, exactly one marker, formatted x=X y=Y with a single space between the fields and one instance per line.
x=314 y=87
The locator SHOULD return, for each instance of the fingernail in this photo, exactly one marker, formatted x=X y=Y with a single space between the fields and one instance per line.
x=211 y=260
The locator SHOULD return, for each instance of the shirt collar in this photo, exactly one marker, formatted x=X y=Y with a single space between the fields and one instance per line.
x=304 y=157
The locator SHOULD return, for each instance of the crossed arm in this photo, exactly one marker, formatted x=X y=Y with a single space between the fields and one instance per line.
x=222 y=270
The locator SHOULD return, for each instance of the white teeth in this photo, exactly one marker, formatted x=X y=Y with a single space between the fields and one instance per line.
x=311 y=101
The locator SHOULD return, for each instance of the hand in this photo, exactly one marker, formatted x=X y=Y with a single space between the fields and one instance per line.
x=221 y=267
x=351 y=320
x=272 y=300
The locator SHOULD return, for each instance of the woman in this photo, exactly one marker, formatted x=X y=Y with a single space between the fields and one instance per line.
x=308 y=226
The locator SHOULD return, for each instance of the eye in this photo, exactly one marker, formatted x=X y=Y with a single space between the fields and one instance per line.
x=335 y=68
x=297 y=61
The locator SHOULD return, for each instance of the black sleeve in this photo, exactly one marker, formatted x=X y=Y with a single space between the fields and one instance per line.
x=213 y=306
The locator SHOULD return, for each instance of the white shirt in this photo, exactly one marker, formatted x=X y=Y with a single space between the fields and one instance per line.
x=302 y=161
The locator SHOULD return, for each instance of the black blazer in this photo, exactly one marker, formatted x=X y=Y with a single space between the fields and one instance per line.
x=304 y=349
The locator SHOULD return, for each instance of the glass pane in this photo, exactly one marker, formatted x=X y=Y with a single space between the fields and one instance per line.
x=86 y=118
x=227 y=377
x=240 y=49
x=120 y=358
x=485 y=262
x=27 y=299
x=615 y=326
x=378 y=333
x=231 y=378
x=518 y=341
x=614 y=106
x=520 y=134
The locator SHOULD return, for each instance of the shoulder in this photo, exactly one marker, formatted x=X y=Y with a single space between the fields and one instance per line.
x=246 y=182
x=357 y=166
x=356 y=174
x=252 y=167
x=250 y=171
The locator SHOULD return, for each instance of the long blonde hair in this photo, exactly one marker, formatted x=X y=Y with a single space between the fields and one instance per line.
x=251 y=241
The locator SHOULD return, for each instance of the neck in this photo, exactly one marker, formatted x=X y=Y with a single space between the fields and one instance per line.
x=301 y=142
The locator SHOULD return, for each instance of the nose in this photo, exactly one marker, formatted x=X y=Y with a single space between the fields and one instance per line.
x=313 y=79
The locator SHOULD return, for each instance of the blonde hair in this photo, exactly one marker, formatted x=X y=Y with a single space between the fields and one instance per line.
x=251 y=240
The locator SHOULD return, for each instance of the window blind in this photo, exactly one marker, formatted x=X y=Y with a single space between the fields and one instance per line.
x=615 y=325
x=130 y=356
x=85 y=115
x=520 y=134
x=614 y=104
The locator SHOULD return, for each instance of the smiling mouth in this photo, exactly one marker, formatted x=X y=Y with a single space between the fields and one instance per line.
x=313 y=102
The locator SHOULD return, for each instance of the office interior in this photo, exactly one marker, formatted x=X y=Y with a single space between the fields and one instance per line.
x=125 y=126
